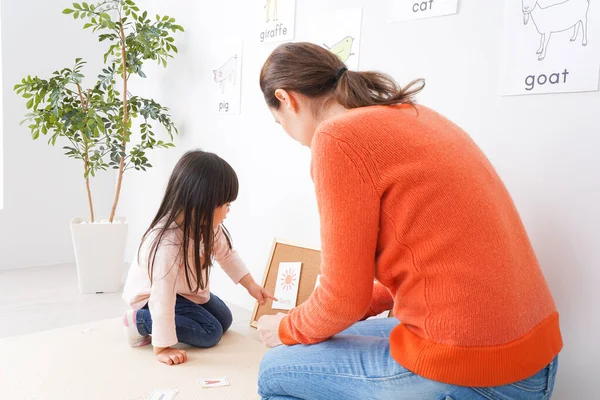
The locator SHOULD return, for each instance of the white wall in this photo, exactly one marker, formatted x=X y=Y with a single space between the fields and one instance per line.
x=43 y=189
x=544 y=147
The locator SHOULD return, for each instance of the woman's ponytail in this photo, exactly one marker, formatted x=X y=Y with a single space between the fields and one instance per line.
x=363 y=89
x=317 y=73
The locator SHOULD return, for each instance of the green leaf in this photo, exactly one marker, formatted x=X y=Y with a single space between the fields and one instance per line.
x=76 y=15
x=88 y=25
x=77 y=6
x=68 y=11
x=30 y=103
x=85 y=5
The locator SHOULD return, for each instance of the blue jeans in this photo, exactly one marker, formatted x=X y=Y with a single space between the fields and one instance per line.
x=356 y=364
x=198 y=325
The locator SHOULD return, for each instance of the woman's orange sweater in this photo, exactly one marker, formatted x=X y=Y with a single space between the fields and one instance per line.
x=407 y=198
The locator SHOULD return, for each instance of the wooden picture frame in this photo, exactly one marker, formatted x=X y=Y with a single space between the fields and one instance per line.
x=287 y=251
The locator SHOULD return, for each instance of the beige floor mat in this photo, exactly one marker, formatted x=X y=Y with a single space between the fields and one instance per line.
x=92 y=361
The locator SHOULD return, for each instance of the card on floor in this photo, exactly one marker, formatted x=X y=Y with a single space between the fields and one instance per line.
x=163 y=394
x=214 y=382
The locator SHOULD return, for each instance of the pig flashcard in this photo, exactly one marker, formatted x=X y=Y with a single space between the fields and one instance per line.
x=286 y=287
x=227 y=74
x=225 y=58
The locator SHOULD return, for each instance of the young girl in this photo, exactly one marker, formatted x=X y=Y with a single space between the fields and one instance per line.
x=168 y=287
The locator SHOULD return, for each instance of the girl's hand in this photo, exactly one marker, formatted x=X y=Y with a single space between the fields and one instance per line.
x=260 y=294
x=171 y=356
x=268 y=329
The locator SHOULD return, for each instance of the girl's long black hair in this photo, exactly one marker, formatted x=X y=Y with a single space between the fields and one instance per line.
x=199 y=183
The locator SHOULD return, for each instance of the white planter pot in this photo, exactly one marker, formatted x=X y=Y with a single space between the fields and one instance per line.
x=99 y=252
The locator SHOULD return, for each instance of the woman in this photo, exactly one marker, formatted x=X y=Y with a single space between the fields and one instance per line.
x=406 y=198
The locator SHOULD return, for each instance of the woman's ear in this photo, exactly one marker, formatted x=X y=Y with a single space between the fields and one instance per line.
x=287 y=99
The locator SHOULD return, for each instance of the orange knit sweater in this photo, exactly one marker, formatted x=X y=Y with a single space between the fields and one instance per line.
x=407 y=198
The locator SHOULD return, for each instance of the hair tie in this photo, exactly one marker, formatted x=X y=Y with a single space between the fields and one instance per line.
x=340 y=73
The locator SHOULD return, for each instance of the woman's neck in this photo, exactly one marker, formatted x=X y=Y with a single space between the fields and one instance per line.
x=332 y=110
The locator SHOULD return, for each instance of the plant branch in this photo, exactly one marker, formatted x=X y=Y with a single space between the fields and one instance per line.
x=86 y=156
x=125 y=122
x=83 y=104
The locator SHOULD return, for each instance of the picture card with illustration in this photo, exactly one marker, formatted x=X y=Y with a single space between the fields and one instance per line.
x=551 y=46
x=286 y=289
x=338 y=31
x=225 y=62
x=276 y=20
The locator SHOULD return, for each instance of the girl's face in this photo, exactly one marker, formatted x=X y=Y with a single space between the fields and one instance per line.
x=220 y=214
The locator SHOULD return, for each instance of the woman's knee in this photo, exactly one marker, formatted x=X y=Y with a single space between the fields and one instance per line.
x=269 y=373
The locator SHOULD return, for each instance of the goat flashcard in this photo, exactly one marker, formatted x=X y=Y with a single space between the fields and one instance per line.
x=338 y=31
x=276 y=20
x=286 y=288
x=225 y=59
x=551 y=46
x=403 y=10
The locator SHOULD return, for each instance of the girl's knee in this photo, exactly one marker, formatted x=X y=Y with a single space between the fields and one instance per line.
x=226 y=320
x=205 y=338
x=214 y=337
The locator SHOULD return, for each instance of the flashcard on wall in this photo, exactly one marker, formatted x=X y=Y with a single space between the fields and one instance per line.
x=338 y=31
x=404 y=10
x=225 y=59
x=276 y=20
x=286 y=287
x=551 y=46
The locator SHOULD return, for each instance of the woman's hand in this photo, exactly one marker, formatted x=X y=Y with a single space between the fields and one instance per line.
x=268 y=329
x=255 y=290
x=170 y=356
x=260 y=294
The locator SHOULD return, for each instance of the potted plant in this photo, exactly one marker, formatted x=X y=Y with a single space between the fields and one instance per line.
x=95 y=124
